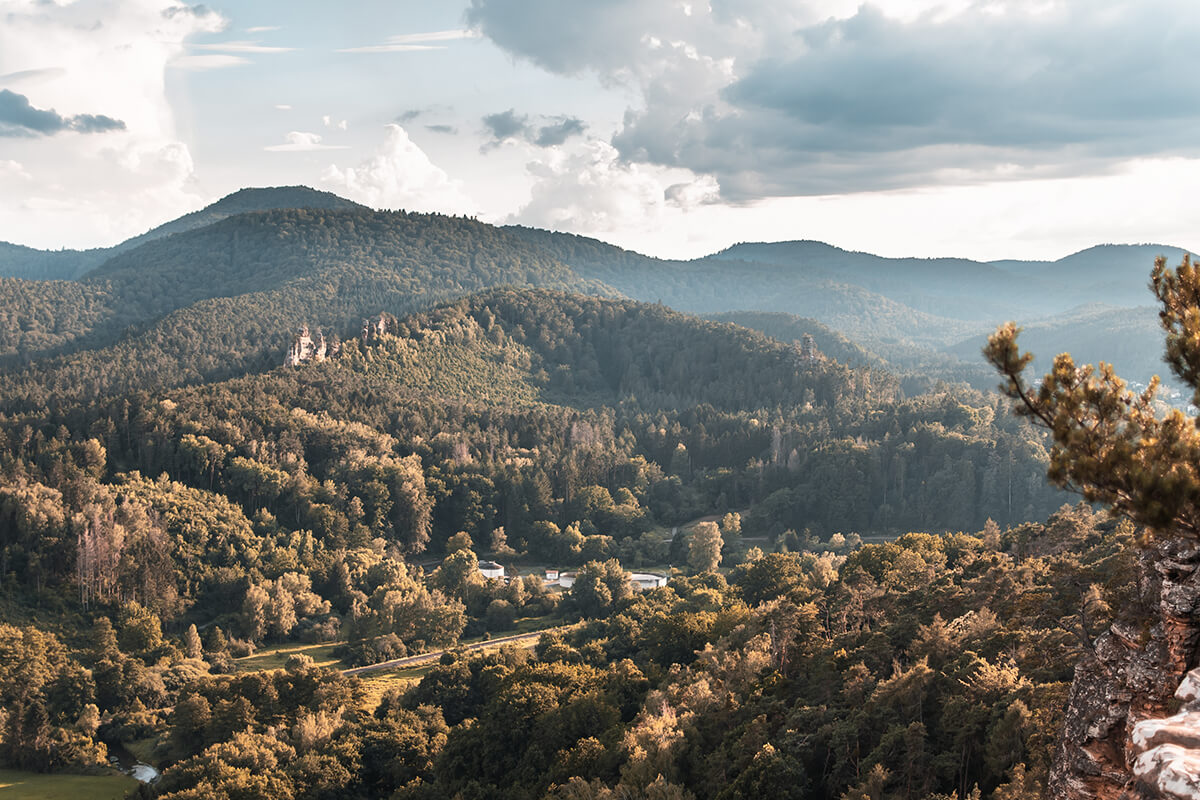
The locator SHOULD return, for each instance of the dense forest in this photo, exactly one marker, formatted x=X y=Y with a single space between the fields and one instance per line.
x=922 y=668
x=224 y=299
x=927 y=317
x=871 y=590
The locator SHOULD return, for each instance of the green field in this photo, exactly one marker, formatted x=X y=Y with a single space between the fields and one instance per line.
x=276 y=656
x=16 y=785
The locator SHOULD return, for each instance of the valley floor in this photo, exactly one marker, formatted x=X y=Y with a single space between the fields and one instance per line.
x=17 y=785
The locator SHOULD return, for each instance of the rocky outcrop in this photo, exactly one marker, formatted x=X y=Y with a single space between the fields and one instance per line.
x=307 y=348
x=378 y=326
x=1130 y=679
x=1167 y=751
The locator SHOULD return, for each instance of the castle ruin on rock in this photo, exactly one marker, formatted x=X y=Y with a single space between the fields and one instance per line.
x=379 y=325
x=309 y=349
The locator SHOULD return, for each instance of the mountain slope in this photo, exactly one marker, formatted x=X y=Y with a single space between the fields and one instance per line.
x=244 y=201
x=507 y=385
x=18 y=261
x=791 y=328
x=223 y=299
x=954 y=287
x=715 y=284
x=1115 y=274
x=1128 y=338
x=928 y=317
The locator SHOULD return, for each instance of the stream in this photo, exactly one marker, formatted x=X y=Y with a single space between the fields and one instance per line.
x=129 y=764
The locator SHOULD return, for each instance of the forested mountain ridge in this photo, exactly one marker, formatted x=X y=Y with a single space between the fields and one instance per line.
x=713 y=285
x=1109 y=273
x=520 y=407
x=925 y=316
x=1128 y=338
x=875 y=301
x=953 y=287
x=18 y=261
x=244 y=201
x=224 y=299
x=792 y=328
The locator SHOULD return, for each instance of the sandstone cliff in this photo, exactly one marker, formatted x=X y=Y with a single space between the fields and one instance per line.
x=1132 y=677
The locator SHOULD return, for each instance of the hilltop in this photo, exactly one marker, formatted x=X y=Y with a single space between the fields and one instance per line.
x=216 y=293
x=223 y=299
x=17 y=261
x=925 y=316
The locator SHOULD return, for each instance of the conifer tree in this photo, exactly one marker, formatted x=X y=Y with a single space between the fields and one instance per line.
x=1108 y=443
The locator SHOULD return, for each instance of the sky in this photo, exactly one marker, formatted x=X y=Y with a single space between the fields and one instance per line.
x=986 y=129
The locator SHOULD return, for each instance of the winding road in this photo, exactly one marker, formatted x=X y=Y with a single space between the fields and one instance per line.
x=425 y=658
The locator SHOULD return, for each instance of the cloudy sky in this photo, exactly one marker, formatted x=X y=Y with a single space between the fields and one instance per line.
x=980 y=128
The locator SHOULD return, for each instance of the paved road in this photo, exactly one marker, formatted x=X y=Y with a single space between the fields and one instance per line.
x=425 y=658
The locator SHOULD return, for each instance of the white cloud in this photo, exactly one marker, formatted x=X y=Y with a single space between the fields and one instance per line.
x=11 y=171
x=302 y=142
x=283 y=107
x=29 y=77
x=213 y=61
x=400 y=175
x=329 y=122
x=412 y=42
x=434 y=36
x=814 y=97
x=1037 y=219
x=589 y=190
x=242 y=47
x=390 y=48
x=264 y=28
x=98 y=57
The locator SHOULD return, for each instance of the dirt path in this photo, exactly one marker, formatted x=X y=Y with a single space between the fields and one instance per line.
x=425 y=658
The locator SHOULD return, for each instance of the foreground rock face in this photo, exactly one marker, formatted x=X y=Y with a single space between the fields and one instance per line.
x=1167 y=751
x=1122 y=738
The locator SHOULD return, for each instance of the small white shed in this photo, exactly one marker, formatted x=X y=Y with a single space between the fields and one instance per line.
x=645 y=581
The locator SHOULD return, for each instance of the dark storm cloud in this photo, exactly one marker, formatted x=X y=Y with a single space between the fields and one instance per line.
x=545 y=132
x=18 y=117
x=506 y=125
x=772 y=103
x=558 y=132
x=566 y=36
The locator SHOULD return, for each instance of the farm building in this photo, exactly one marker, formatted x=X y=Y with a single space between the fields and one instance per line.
x=490 y=569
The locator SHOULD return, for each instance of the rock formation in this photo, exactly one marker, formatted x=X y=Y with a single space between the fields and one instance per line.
x=379 y=325
x=1167 y=762
x=306 y=349
x=808 y=348
x=1122 y=739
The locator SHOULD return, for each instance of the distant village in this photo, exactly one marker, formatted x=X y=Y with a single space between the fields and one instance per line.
x=641 y=581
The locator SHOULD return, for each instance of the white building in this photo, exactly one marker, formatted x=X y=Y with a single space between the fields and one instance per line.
x=645 y=581
x=641 y=581
x=490 y=569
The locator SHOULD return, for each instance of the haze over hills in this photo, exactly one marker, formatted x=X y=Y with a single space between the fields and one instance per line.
x=219 y=291
x=18 y=261
x=925 y=315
